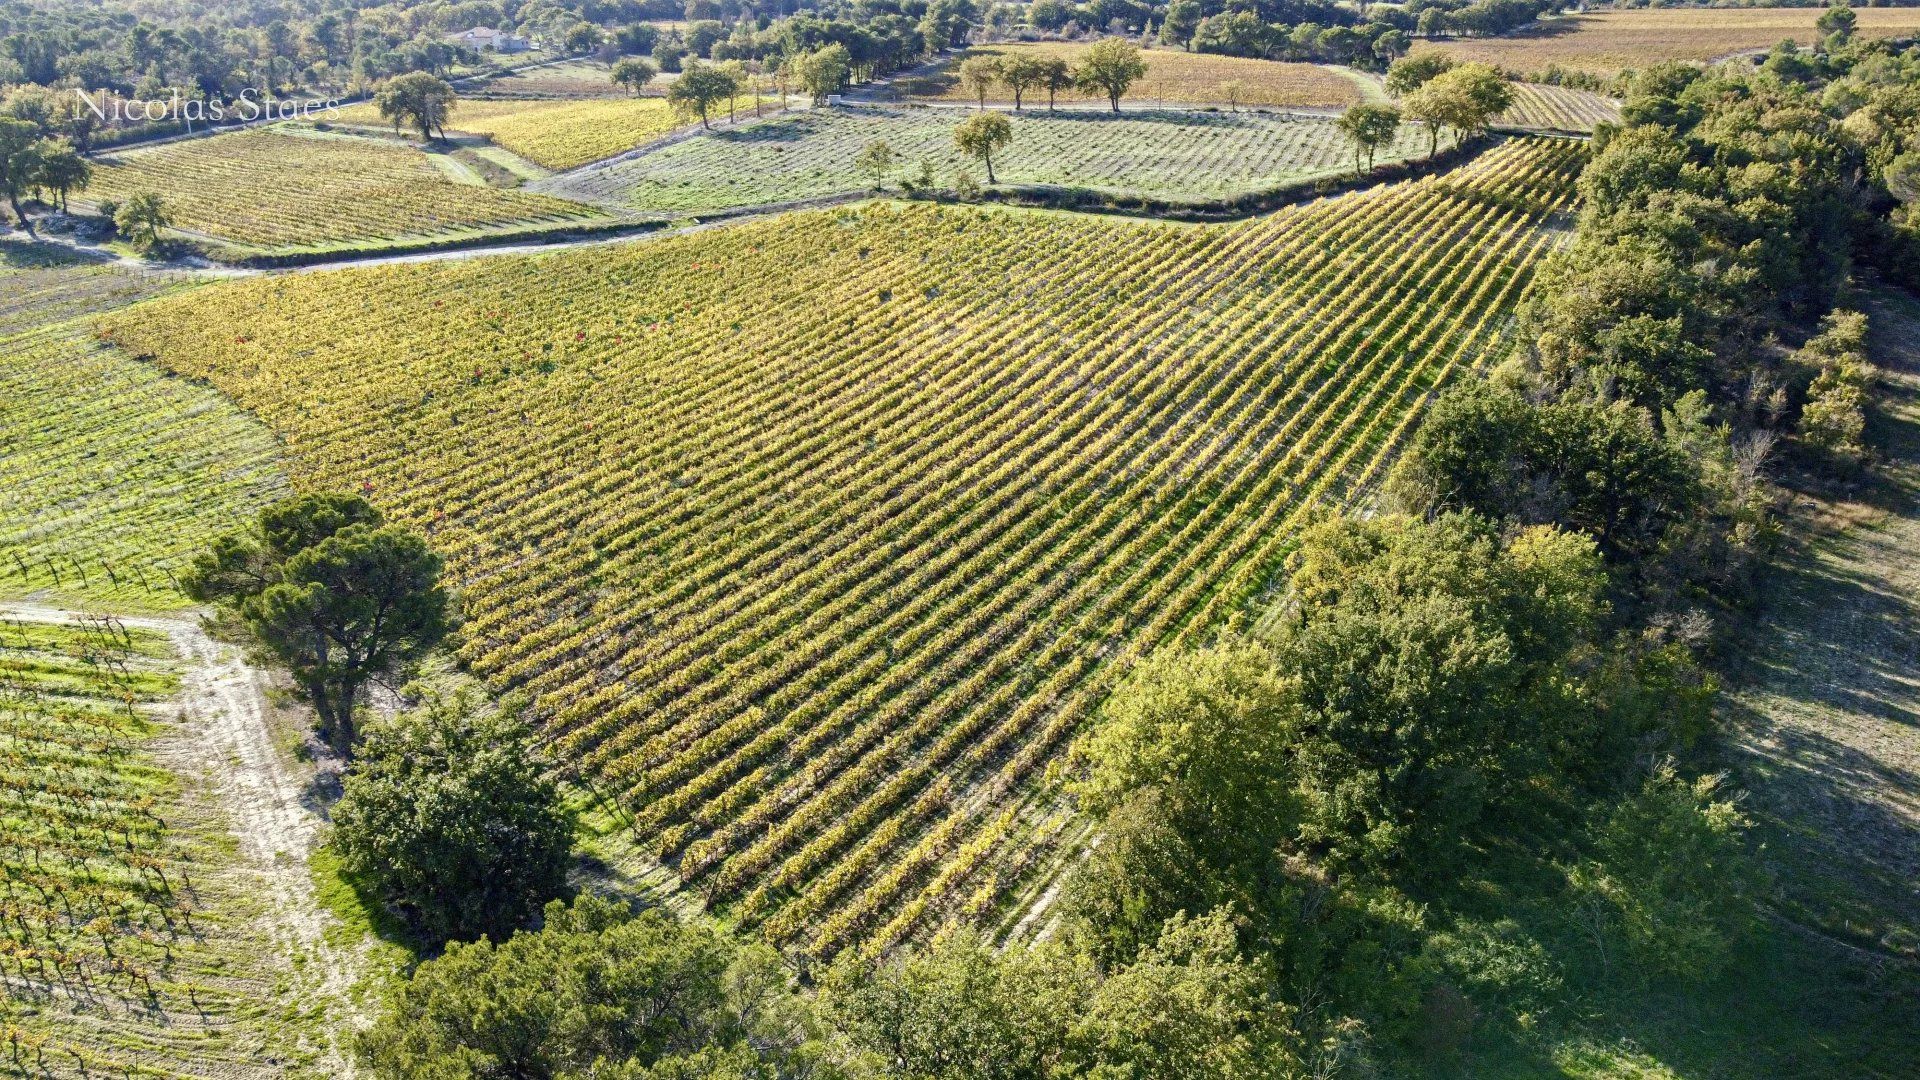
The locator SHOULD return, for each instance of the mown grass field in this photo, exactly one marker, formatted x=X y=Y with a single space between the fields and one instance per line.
x=559 y=135
x=818 y=538
x=1609 y=41
x=1176 y=156
x=281 y=189
x=572 y=80
x=128 y=946
x=115 y=474
x=1174 y=77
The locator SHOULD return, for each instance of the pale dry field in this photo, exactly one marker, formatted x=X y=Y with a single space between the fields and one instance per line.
x=1609 y=41
x=1173 y=77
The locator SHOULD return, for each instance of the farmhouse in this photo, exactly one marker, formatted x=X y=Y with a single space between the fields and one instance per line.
x=487 y=38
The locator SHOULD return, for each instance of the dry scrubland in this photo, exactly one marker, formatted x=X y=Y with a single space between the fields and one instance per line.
x=272 y=189
x=1173 y=77
x=816 y=539
x=1608 y=41
x=558 y=134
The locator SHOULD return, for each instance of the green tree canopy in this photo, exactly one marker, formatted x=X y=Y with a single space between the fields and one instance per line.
x=1110 y=67
x=1022 y=73
x=598 y=991
x=823 y=72
x=62 y=168
x=1838 y=19
x=1369 y=127
x=1190 y=1006
x=1412 y=72
x=1464 y=98
x=334 y=594
x=19 y=162
x=1671 y=877
x=1433 y=666
x=876 y=159
x=979 y=74
x=1055 y=75
x=982 y=135
x=448 y=814
x=1599 y=469
x=141 y=218
x=418 y=99
x=700 y=87
x=633 y=72
x=1210 y=732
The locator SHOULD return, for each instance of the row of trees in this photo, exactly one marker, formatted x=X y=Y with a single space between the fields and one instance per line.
x=32 y=163
x=1433 y=90
x=1330 y=34
x=39 y=160
x=1282 y=816
x=1458 y=779
x=1109 y=68
x=873 y=41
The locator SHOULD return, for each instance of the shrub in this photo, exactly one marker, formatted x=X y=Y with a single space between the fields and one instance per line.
x=1675 y=883
x=447 y=814
x=1835 y=418
x=597 y=991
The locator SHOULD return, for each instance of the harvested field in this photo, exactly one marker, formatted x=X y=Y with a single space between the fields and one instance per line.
x=1606 y=42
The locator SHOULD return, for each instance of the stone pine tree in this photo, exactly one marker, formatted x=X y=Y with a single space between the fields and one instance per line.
x=330 y=590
